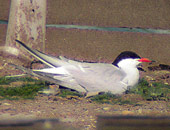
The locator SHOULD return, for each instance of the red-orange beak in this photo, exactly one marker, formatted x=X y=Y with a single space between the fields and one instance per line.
x=144 y=60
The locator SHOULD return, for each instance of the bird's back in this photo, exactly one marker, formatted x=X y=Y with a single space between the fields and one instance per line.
x=97 y=76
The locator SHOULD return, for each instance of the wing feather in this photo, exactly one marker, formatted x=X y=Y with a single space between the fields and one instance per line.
x=46 y=59
x=63 y=80
x=97 y=77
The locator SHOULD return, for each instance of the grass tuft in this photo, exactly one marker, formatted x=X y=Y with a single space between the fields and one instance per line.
x=66 y=92
x=109 y=98
x=154 y=91
x=26 y=91
x=8 y=80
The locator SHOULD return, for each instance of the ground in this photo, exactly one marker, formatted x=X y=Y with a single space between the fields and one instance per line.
x=79 y=112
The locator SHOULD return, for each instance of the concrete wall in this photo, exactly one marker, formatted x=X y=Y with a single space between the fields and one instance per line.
x=104 y=46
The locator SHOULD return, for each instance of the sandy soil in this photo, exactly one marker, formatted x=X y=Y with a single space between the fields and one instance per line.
x=81 y=113
x=78 y=113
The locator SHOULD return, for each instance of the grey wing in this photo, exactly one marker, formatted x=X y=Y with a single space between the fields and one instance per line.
x=53 y=62
x=99 y=77
x=64 y=80
x=46 y=59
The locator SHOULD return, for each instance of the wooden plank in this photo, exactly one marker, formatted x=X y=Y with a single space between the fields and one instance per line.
x=133 y=123
x=27 y=23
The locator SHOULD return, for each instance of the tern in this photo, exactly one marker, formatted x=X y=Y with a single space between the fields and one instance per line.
x=85 y=77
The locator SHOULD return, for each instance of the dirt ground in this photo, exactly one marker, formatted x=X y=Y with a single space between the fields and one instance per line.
x=76 y=113
x=81 y=113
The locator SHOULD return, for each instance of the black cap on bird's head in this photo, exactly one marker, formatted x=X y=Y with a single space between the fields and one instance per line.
x=125 y=55
x=129 y=54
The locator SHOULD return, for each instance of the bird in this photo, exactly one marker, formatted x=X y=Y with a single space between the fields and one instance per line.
x=86 y=77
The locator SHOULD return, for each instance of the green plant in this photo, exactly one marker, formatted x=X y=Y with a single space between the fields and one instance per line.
x=67 y=92
x=104 y=98
x=25 y=91
x=154 y=91
x=111 y=99
x=8 y=80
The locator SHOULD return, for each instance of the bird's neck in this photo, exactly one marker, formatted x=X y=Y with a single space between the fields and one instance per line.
x=132 y=76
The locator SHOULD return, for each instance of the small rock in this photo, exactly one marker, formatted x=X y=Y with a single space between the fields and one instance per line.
x=49 y=92
x=69 y=97
x=55 y=87
x=6 y=104
x=139 y=111
x=127 y=113
x=106 y=108
x=150 y=78
x=68 y=119
x=83 y=120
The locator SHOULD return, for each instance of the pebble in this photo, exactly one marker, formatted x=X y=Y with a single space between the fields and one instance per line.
x=6 y=104
x=106 y=108
x=150 y=78
x=139 y=111
x=127 y=113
